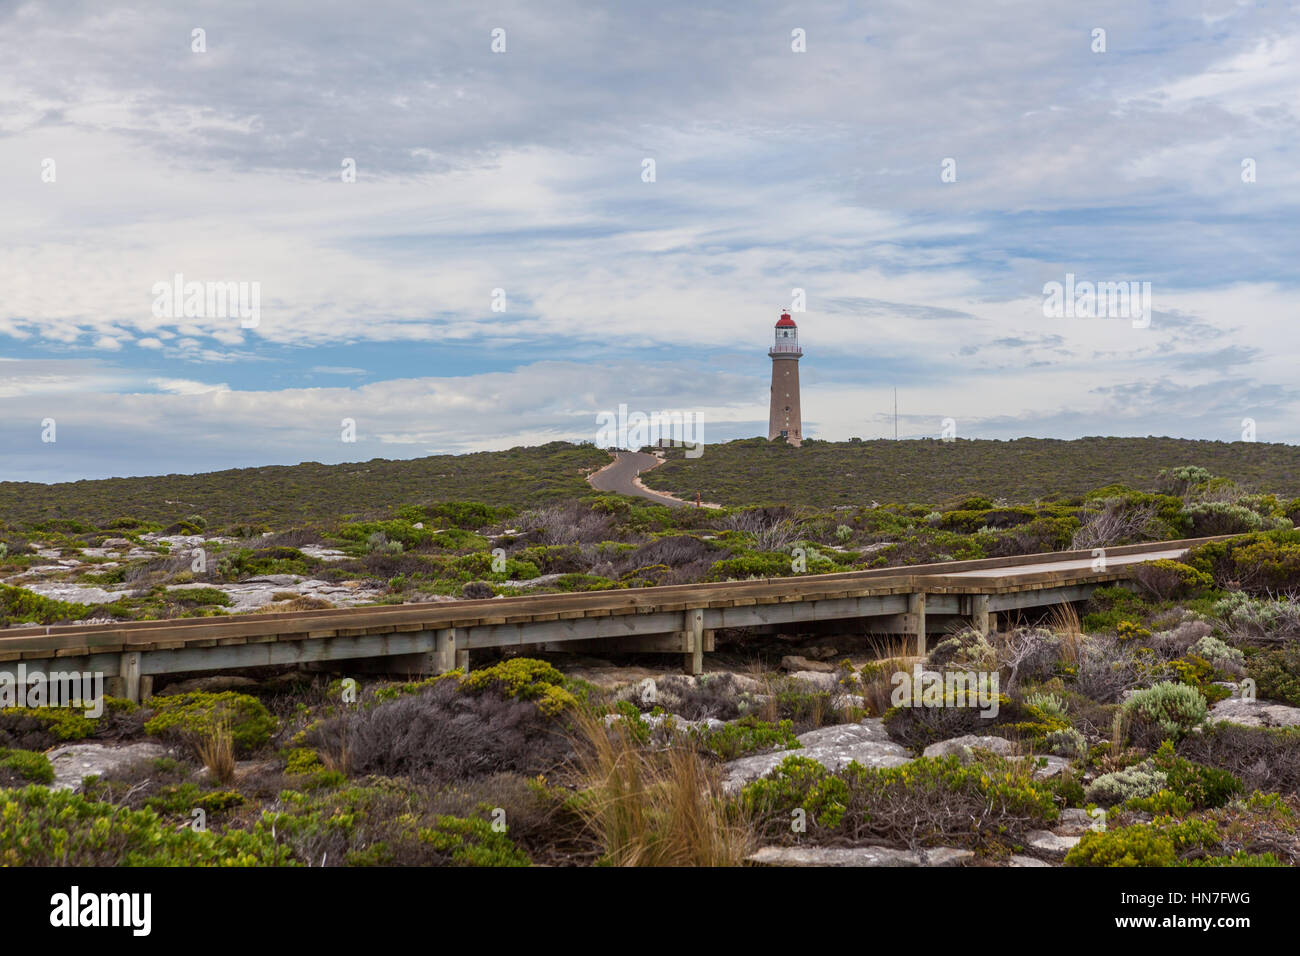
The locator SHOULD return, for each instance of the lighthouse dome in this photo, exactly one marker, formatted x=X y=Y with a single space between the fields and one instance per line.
x=785 y=322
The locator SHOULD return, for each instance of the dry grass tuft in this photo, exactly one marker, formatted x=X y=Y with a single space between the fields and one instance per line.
x=217 y=752
x=1064 y=621
x=654 y=807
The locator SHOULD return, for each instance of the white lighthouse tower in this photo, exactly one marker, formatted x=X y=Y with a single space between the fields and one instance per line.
x=783 y=419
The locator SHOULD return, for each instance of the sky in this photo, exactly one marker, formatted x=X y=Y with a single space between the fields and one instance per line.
x=503 y=268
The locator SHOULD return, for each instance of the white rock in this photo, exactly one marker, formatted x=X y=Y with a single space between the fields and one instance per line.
x=828 y=681
x=76 y=594
x=1255 y=713
x=321 y=553
x=858 y=856
x=72 y=762
x=1051 y=844
x=1046 y=767
x=833 y=747
x=1075 y=822
x=962 y=746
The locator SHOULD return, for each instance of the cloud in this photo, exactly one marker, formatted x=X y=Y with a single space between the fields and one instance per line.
x=522 y=172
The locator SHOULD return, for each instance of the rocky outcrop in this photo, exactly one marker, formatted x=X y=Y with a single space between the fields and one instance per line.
x=1254 y=713
x=793 y=664
x=964 y=745
x=833 y=747
x=820 y=680
x=74 y=761
x=1049 y=844
x=858 y=856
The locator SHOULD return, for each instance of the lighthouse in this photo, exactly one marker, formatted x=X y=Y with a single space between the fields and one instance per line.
x=783 y=420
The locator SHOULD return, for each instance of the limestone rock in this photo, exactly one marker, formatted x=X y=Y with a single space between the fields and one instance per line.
x=213 y=684
x=819 y=680
x=858 y=856
x=1074 y=822
x=1046 y=767
x=963 y=745
x=832 y=747
x=1255 y=713
x=74 y=761
x=793 y=663
x=1050 y=844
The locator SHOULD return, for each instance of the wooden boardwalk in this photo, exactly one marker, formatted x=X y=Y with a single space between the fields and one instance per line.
x=434 y=637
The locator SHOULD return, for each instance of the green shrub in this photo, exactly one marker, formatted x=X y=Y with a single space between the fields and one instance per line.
x=1168 y=579
x=1142 y=780
x=1190 y=786
x=384 y=824
x=1068 y=743
x=1157 y=844
x=65 y=723
x=928 y=800
x=1218 y=653
x=41 y=827
x=1048 y=703
x=749 y=735
x=1261 y=563
x=1197 y=672
x=257 y=562
x=199 y=596
x=1167 y=708
x=27 y=764
x=471 y=841
x=1277 y=674
x=1223 y=517
x=302 y=760
x=917 y=726
x=754 y=564
x=19 y=606
x=1203 y=787
x=197 y=716
x=378 y=534
x=181 y=799
x=469 y=515
x=1108 y=606
x=523 y=678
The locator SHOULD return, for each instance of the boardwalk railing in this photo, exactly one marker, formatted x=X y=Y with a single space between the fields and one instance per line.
x=435 y=637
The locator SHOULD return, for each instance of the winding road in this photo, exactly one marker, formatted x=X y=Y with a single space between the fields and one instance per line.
x=620 y=477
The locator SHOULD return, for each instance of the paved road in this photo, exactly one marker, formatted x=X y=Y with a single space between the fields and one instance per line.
x=1076 y=564
x=620 y=477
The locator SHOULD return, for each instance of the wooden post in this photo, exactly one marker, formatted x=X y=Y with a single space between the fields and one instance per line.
x=694 y=627
x=444 y=650
x=979 y=617
x=462 y=659
x=128 y=669
x=916 y=619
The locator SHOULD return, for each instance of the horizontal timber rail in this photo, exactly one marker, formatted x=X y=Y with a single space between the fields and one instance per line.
x=437 y=636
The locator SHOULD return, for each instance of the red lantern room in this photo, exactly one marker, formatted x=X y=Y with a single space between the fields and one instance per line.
x=787 y=336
